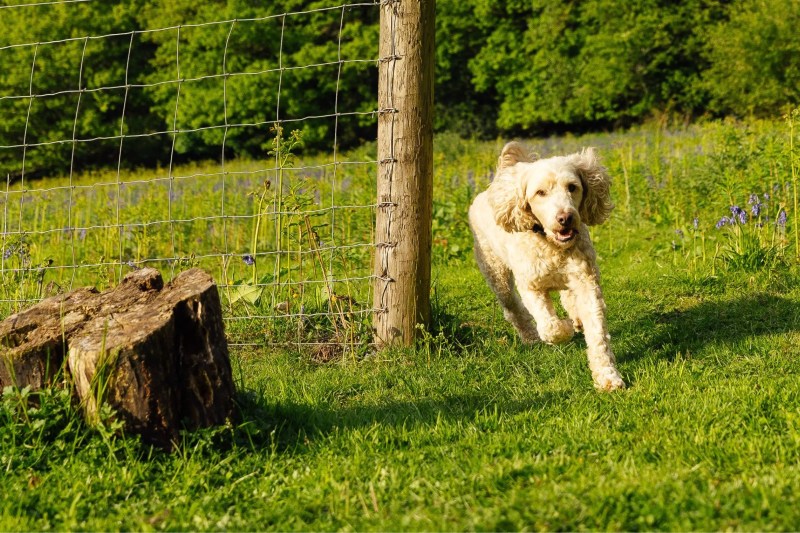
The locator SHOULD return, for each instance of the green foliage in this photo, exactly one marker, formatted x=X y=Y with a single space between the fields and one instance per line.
x=257 y=71
x=61 y=67
x=460 y=36
x=591 y=62
x=218 y=84
x=754 y=58
x=501 y=68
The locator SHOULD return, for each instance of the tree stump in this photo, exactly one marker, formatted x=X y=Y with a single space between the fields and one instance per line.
x=156 y=354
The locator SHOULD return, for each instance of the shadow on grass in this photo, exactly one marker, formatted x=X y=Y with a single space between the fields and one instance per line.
x=660 y=335
x=725 y=322
x=288 y=425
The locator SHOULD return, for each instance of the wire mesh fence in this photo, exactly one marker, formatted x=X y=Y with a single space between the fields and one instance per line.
x=233 y=174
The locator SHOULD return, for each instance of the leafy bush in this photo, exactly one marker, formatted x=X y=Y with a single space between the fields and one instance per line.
x=58 y=67
x=754 y=58
x=502 y=68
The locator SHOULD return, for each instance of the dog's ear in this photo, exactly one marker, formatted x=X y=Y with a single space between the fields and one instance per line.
x=511 y=154
x=596 y=205
x=511 y=209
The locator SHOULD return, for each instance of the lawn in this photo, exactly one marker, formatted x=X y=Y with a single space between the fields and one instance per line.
x=470 y=429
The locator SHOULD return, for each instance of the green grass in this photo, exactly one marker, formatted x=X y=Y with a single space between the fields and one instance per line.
x=472 y=430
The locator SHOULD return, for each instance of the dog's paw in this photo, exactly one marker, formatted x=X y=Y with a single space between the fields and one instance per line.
x=525 y=327
x=577 y=324
x=608 y=379
x=528 y=335
x=556 y=331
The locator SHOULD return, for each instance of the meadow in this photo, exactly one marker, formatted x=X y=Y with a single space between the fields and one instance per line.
x=469 y=429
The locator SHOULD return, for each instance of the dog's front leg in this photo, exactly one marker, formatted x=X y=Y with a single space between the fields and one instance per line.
x=592 y=312
x=550 y=327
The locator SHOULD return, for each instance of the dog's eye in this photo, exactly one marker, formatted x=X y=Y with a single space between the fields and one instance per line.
x=540 y=192
x=572 y=187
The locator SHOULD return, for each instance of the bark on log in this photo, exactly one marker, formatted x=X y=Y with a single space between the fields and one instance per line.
x=156 y=354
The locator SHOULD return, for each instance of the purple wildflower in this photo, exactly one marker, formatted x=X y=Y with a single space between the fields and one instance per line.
x=679 y=233
x=781 y=219
x=766 y=196
x=724 y=221
x=696 y=222
x=249 y=260
x=738 y=213
x=756 y=204
x=8 y=252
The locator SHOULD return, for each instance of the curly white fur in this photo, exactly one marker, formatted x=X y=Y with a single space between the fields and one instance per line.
x=531 y=238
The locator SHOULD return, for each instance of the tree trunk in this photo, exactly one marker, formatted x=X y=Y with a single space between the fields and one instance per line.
x=156 y=354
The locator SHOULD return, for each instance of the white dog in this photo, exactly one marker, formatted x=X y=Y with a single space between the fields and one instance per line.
x=530 y=231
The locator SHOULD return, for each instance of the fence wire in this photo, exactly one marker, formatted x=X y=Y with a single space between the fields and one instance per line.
x=287 y=235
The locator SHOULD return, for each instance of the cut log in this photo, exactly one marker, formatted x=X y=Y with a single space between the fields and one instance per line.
x=156 y=354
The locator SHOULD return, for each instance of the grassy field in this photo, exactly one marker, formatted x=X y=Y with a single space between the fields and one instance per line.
x=471 y=430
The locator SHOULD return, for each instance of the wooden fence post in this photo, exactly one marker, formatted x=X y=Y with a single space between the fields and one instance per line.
x=405 y=170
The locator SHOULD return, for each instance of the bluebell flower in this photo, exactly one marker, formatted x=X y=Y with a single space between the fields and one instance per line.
x=248 y=260
x=738 y=213
x=781 y=219
x=766 y=196
x=696 y=222
x=679 y=233
x=724 y=221
x=8 y=252
x=756 y=204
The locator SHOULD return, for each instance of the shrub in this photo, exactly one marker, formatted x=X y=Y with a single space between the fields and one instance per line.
x=754 y=58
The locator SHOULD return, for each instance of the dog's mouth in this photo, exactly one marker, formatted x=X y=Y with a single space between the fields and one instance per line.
x=564 y=236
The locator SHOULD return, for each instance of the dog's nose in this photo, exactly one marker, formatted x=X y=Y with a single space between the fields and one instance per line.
x=565 y=219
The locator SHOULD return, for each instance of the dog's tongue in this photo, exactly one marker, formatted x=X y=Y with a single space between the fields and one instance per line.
x=564 y=235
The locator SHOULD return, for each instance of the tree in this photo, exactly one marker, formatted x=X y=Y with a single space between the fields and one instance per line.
x=754 y=58
x=65 y=72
